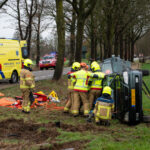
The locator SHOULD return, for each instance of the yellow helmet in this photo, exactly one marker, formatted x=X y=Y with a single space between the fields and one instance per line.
x=76 y=66
x=28 y=62
x=94 y=63
x=95 y=67
x=107 y=90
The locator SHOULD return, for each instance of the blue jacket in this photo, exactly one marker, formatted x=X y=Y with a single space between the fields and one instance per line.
x=105 y=98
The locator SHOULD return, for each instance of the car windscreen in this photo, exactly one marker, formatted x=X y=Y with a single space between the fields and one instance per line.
x=107 y=68
x=24 y=52
x=48 y=57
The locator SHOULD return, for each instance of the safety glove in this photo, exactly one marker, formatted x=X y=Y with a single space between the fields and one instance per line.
x=95 y=76
x=69 y=76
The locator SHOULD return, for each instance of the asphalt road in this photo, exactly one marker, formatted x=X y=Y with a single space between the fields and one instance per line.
x=47 y=74
x=39 y=75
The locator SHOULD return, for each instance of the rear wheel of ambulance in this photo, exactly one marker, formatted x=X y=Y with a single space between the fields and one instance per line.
x=14 y=77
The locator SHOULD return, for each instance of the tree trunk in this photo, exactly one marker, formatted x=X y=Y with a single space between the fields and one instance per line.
x=129 y=49
x=38 y=41
x=72 y=39
x=116 y=46
x=121 y=46
x=61 y=39
x=79 y=39
x=38 y=49
x=132 y=50
x=101 y=49
x=105 y=51
x=108 y=42
x=92 y=36
x=95 y=43
x=29 y=34
x=29 y=41
x=125 y=49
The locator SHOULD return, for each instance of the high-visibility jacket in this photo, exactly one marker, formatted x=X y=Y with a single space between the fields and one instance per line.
x=90 y=79
x=117 y=82
x=82 y=78
x=103 y=108
x=71 y=81
x=26 y=79
x=97 y=82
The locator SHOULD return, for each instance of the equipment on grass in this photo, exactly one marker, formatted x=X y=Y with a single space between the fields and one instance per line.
x=53 y=97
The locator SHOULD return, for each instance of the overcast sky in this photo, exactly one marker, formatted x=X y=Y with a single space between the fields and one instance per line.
x=7 y=27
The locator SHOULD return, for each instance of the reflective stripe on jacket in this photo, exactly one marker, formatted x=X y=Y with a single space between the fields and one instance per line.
x=71 y=82
x=104 y=108
x=97 y=82
x=26 y=79
x=82 y=78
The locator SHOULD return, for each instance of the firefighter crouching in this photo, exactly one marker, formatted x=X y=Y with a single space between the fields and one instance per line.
x=80 y=90
x=104 y=107
x=95 y=83
x=27 y=83
x=71 y=82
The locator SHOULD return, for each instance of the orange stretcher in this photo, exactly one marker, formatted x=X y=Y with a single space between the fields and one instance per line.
x=12 y=103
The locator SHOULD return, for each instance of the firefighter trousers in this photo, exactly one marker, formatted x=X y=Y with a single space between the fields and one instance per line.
x=26 y=100
x=93 y=95
x=69 y=103
x=78 y=97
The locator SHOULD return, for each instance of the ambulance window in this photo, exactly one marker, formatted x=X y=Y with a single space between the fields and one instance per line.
x=24 y=52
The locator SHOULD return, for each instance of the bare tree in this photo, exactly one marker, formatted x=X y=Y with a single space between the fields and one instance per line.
x=40 y=24
x=23 y=11
x=31 y=11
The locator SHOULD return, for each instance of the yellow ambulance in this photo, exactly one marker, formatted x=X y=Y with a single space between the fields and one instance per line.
x=12 y=54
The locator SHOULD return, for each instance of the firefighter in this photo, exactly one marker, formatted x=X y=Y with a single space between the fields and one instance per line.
x=104 y=107
x=71 y=82
x=95 y=83
x=80 y=90
x=27 y=83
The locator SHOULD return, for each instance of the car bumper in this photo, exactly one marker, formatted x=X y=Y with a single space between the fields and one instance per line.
x=46 y=65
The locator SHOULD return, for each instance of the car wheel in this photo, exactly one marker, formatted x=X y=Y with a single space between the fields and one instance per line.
x=54 y=67
x=46 y=68
x=41 y=68
x=14 y=77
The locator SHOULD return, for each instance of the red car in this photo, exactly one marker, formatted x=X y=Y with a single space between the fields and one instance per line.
x=48 y=61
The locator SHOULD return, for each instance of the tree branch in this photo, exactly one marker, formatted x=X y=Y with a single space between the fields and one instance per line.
x=3 y=3
x=92 y=6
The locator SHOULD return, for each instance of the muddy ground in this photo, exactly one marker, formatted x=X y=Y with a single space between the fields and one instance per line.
x=38 y=134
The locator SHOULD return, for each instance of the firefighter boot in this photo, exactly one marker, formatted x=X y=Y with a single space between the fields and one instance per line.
x=107 y=123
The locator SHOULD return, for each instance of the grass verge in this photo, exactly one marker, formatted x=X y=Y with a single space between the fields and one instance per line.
x=41 y=132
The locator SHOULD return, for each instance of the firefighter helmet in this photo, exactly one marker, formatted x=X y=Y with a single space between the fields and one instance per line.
x=107 y=90
x=95 y=67
x=87 y=67
x=83 y=65
x=76 y=66
x=28 y=62
x=93 y=63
